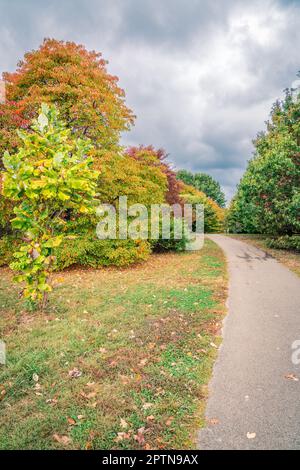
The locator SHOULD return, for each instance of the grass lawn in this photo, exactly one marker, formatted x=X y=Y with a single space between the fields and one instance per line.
x=289 y=258
x=121 y=360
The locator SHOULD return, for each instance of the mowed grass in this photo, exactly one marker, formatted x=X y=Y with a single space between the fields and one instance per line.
x=289 y=258
x=140 y=345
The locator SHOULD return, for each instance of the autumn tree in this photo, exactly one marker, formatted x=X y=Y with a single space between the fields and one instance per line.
x=268 y=196
x=89 y=99
x=213 y=213
x=158 y=158
x=205 y=183
x=121 y=175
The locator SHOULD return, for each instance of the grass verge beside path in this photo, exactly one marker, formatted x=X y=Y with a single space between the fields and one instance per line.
x=289 y=258
x=121 y=360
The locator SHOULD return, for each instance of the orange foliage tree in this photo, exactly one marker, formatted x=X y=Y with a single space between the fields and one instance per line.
x=89 y=99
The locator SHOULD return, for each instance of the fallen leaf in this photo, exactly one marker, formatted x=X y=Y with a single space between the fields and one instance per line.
x=64 y=440
x=75 y=373
x=213 y=421
x=51 y=401
x=123 y=423
x=169 y=421
x=292 y=377
x=88 y=396
x=124 y=379
x=251 y=435
x=150 y=418
x=202 y=350
x=93 y=405
x=90 y=384
x=146 y=406
x=71 y=421
x=113 y=363
x=139 y=437
x=80 y=417
x=121 y=436
x=143 y=362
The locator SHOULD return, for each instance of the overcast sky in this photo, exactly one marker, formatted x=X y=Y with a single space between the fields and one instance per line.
x=200 y=75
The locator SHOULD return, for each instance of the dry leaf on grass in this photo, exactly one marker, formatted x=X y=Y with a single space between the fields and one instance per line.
x=170 y=421
x=88 y=396
x=51 y=401
x=150 y=418
x=63 y=440
x=121 y=436
x=139 y=437
x=146 y=406
x=123 y=423
x=143 y=362
x=71 y=421
x=75 y=373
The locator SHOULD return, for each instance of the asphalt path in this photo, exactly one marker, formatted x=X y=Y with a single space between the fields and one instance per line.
x=254 y=394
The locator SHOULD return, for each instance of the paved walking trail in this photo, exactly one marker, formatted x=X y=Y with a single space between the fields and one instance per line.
x=249 y=392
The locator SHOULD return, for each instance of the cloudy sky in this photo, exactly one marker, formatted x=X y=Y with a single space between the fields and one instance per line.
x=200 y=75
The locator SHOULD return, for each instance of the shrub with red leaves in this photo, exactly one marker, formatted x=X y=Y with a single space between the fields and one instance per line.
x=158 y=157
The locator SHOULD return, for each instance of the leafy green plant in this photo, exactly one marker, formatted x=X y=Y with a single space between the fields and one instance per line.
x=285 y=242
x=7 y=245
x=50 y=175
x=89 y=251
x=204 y=183
x=268 y=196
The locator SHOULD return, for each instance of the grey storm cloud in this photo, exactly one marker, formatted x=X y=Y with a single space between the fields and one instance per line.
x=201 y=76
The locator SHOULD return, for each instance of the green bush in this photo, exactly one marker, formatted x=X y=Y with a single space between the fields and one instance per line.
x=86 y=251
x=268 y=196
x=285 y=242
x=8 y=245
x=92 y=252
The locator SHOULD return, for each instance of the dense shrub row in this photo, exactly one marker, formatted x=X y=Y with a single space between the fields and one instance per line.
x=285 y=242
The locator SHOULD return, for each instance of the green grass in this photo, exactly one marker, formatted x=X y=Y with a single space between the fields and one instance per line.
x=289 y=258
x=143 y=340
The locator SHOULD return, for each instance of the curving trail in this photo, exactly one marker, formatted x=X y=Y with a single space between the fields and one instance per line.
x=249 y=392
